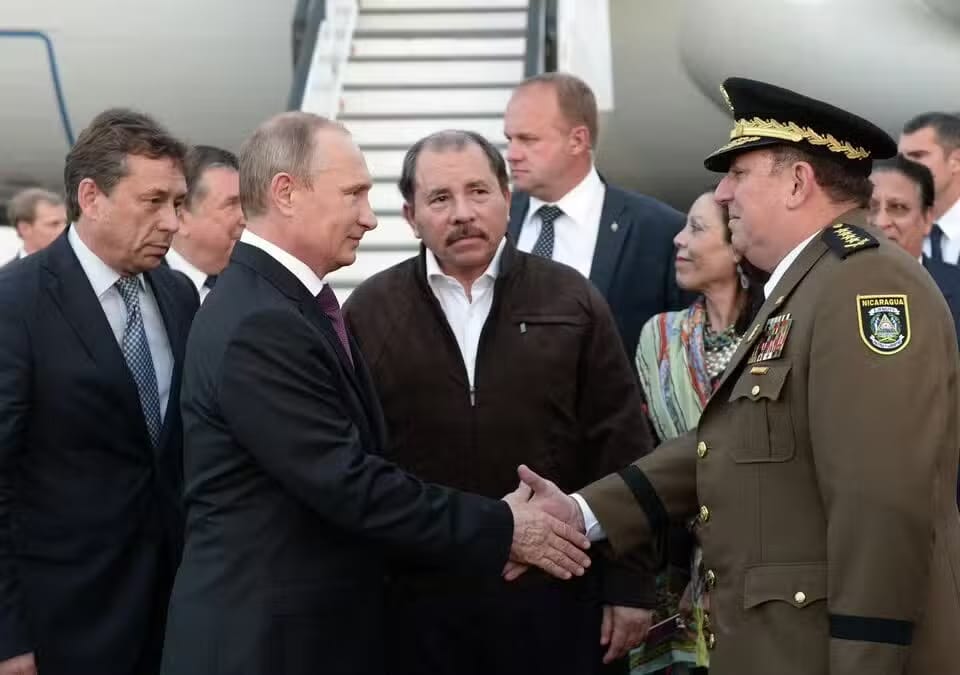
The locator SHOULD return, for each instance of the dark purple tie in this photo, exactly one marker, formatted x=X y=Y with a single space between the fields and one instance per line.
x=329 y=306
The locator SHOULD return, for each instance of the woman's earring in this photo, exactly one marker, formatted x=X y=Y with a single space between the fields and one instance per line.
x=744 y=279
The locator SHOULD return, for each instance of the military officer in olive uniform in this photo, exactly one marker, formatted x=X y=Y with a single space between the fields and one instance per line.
x=822 y=472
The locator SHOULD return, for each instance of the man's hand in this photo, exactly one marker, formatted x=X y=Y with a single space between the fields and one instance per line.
x=542 y=540
x=623 y=629
x=19 y=665
x=547 y=496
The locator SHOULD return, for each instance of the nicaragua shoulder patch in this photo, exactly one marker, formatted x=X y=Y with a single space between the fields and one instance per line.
x=845 y=239
x=884 y=322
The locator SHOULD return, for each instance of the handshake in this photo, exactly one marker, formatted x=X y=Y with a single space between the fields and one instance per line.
x=548 y=529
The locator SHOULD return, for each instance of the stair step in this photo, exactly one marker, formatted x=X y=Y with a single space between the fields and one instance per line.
x=387 y=164
x=370 y=22
x=391 y=231
x=426 y=5
x=385 y=197
x=368 y=263
x=431 y=101
x=437 y=46
x=405 y=132
x=424 y=72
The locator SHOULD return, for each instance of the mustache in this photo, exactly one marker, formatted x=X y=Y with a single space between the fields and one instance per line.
x=464 y=232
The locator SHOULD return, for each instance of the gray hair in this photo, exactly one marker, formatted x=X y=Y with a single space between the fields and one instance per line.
x=283 y=144
x=23 y=206
x=450 y=139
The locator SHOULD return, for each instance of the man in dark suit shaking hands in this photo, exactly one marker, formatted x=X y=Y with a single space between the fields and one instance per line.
x=562 y=209
x=291 y=511
x=92 y=336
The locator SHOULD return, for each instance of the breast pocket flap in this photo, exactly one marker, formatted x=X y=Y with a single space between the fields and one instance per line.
x=761 y=382
x=798 y=584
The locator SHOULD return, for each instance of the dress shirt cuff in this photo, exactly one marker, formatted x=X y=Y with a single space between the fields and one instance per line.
x=590 y=523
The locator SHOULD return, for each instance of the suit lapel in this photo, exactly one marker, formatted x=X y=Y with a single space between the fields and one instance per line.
x=794 y=274
x=177 y=327
x=614 y=228
x=71 y=291
x=519 y=204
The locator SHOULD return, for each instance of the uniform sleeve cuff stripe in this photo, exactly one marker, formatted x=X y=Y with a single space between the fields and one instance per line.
x=646 y=496
x=870 y=629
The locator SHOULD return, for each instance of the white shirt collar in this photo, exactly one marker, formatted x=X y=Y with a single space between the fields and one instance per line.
x=294 y=265
x=181 y=264
x=784 y=265
x=493 y=269
x=576 y=203
x=102 y=277
x=949 y=222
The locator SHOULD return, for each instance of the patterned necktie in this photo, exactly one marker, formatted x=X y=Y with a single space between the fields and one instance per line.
x=329 y=306
x=548 y=214
x=936 y=243
x=136 y=352
x=210 y=281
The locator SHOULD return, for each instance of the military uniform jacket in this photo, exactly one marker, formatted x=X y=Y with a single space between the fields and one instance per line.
x=821 y=475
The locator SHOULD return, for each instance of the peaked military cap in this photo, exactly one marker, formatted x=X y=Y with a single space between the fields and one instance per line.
x=765 y=115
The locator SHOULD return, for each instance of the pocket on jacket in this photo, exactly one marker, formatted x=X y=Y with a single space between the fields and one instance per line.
x=763 y=421
x=797 y=584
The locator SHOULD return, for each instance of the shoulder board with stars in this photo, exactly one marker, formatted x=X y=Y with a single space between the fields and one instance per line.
x=846 y=239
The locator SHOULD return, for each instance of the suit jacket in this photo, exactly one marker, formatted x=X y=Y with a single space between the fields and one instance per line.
x=947 y=278
x=823 y=478
x=90 y=519
x=290 y=508
x=634 y=259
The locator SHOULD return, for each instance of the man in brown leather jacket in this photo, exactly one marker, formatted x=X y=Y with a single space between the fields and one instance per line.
x=822 y=471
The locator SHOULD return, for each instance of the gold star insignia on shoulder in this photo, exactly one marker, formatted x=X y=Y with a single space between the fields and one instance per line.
x=844 y=240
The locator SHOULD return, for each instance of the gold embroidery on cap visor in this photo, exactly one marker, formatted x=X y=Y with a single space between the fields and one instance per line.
x=747 y=131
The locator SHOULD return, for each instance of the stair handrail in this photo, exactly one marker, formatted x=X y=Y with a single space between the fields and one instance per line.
x=541 y=52
x=320 y=86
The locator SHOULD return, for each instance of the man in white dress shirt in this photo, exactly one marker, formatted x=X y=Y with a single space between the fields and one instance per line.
x=39 y=217
x=484 y=357
x=563 y=210
x=933 y=139
x=211 y=219
x=92 y=335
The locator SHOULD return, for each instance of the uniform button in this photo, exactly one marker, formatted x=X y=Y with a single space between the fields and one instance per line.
x=755 y=390
x=702 y=449
x=704 y=514
x=710 y=577
x=711 y=641
x=800 y=597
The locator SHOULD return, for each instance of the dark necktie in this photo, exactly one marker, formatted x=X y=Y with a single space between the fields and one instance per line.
x=548 y=214
x=936 y=243
x=210 y=281
x=331 y=308
x=136 y=352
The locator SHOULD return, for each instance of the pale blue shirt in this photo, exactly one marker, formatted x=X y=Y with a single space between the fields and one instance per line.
x=103 y=279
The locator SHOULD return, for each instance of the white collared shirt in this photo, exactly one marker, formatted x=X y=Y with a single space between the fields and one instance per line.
x=777 y=274
x=576 y=231
x=949 y=222
x=197 y=276
x=465 y=314
x=294 y=265
x=103 y=279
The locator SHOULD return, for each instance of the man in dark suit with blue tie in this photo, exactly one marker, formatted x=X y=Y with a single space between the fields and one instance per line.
x=902 y=207
x=92 y=336
x=562 y=209
x=292 y=512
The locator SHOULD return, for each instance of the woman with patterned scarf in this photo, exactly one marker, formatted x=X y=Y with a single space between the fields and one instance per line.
x=680 y=358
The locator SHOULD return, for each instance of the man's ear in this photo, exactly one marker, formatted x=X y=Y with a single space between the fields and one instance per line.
x=803 y=182
x=408 y=214
x=88 y=198
x=281 y=193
